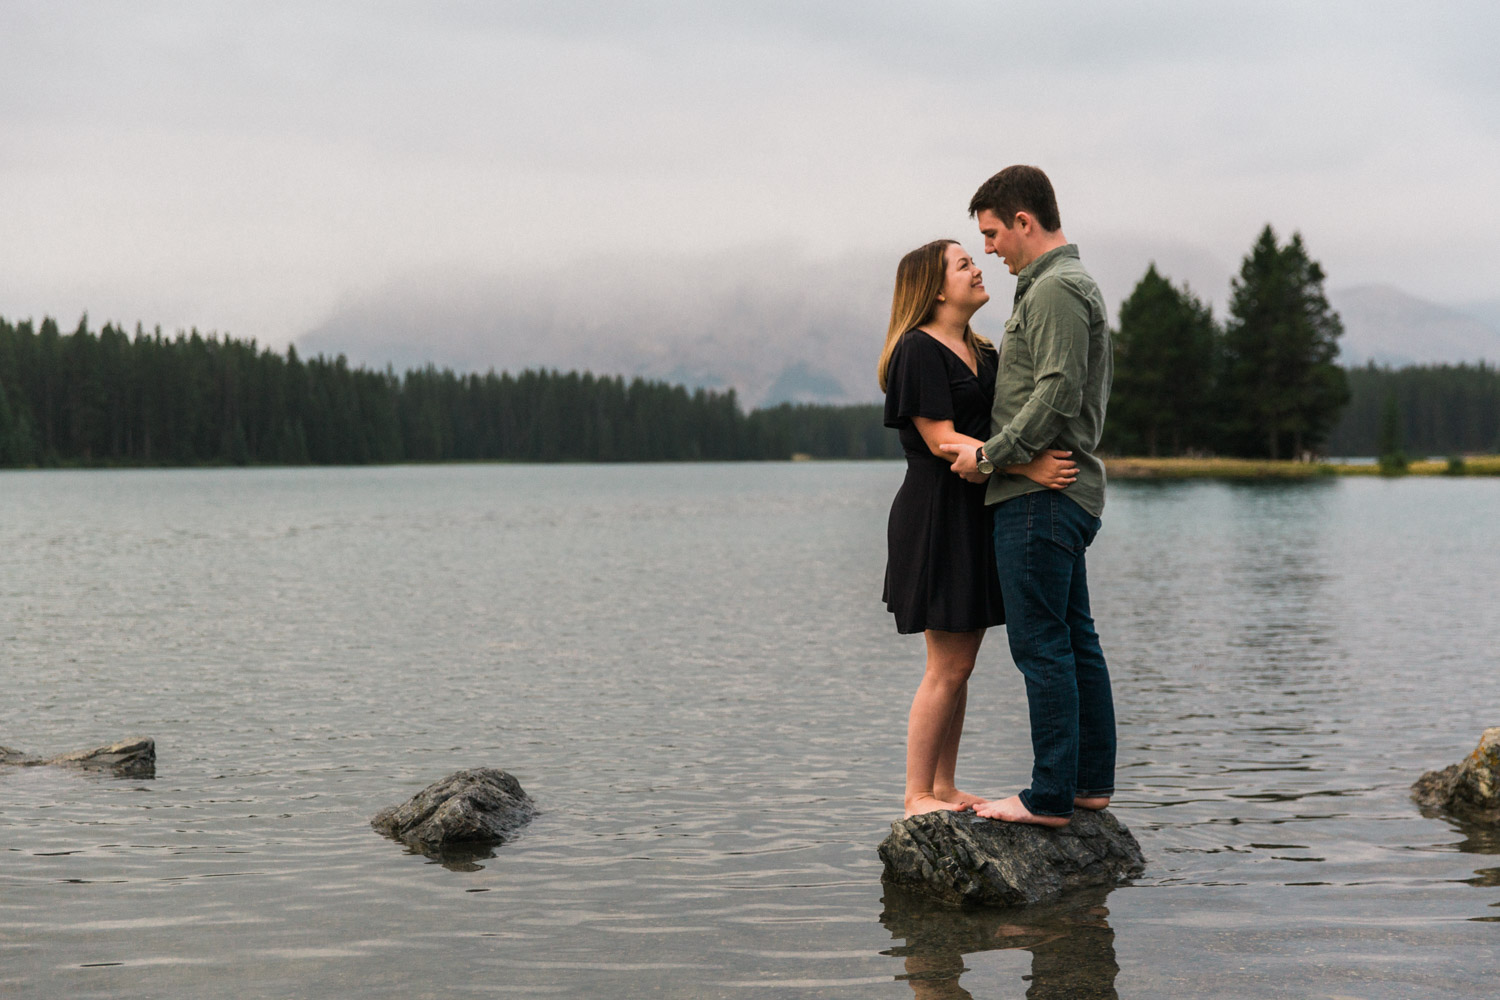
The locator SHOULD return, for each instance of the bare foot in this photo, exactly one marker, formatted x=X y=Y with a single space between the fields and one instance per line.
x=1096 y=803
x=918 y=804
x=1013 y=810
x=964 y=799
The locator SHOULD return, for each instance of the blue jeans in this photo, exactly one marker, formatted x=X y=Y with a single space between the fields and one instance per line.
x=1040 y=539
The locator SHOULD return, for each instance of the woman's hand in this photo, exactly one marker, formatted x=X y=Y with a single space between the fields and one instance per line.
x=1050 y=468
x=943 y=441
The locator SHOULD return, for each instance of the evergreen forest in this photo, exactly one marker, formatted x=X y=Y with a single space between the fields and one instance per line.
x=1438 y=410
x=110 y=398
x=1264 y=384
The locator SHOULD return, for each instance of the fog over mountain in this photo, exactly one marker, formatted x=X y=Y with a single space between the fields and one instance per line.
x=347 y=170
x=763 y=321
x=775 y=324
x=1486 y=312
x=778 y=325
x=1389 y=327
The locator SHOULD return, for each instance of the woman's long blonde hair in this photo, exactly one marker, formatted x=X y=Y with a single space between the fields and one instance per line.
x=919 y=279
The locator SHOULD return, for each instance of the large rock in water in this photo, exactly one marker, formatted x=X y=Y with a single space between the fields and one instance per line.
x=963 y=859
x=476 y=806
x=1468 y=790
x=132 y=758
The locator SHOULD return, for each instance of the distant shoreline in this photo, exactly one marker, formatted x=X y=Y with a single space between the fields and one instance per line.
x=1247 y=468
x=1116 y=468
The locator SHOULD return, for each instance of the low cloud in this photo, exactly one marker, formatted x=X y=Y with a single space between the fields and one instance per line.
x=774 y=323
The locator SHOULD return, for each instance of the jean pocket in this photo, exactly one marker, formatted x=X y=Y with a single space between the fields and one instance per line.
x=1073 y=528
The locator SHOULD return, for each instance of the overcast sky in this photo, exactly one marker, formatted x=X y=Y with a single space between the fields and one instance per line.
x=256 y=167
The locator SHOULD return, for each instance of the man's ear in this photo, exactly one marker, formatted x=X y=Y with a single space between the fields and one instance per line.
x=1024 y=223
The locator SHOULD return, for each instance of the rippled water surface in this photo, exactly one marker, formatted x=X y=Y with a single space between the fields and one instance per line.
x=690 y=670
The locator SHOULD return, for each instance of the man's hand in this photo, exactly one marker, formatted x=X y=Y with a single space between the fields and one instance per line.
x=965 y=461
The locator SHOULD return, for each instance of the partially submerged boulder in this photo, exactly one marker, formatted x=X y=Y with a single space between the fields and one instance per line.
x=477 y=806
x=1468 y=790
x=132 y=758
x=961 y=858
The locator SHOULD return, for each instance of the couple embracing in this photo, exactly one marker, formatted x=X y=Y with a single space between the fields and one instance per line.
x=1001 y=499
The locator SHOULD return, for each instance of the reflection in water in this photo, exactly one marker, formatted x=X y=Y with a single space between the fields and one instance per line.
x=1285 y=600
x=1479 y=838
x=461 y=857
x=1071 y=943
x=637 y=643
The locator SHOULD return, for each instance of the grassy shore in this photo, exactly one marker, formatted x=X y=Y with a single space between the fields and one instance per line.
x=1244 y=468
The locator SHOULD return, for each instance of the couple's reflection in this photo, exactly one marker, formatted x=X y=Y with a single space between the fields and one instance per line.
x=1071 y=943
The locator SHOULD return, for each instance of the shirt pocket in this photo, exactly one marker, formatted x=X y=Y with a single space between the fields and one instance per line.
x=1013 y=350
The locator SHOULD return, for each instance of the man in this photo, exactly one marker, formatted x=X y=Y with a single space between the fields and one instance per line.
x=1055 y=372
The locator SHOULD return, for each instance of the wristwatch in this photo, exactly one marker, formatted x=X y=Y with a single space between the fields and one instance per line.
x=985 y=465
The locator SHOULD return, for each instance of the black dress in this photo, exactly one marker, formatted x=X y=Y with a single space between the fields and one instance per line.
x=940 y=564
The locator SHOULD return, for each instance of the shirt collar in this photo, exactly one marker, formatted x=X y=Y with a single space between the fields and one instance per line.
x=1042 y=265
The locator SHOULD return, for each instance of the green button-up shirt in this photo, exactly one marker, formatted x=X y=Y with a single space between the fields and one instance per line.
x=1056 y=366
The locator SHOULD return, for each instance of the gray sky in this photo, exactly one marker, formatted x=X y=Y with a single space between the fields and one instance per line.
x=257 y=168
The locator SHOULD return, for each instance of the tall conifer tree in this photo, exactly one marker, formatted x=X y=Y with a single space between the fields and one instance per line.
x=1164 y=365
x=1280 y=387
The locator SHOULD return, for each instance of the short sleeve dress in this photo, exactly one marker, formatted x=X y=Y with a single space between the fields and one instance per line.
x=940 y=564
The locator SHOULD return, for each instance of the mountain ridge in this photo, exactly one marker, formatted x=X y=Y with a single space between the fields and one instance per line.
x=773 y=327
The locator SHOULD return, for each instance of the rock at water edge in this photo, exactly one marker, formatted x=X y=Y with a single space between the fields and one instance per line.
x=961 y=858
x=1468 y=790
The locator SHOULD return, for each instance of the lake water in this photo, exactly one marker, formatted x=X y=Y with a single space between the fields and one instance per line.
x=689 y=668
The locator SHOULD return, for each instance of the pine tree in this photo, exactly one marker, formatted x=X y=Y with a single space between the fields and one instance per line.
x=1280 y=387
x=1392 y=457
x=9 y=453
x=1164 y=363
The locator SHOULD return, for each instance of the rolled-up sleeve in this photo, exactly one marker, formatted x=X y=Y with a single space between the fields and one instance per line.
x=1056 y=327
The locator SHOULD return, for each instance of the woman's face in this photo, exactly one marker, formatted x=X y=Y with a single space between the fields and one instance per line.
x=963 y=282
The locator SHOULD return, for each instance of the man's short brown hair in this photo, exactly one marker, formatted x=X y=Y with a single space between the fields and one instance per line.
x=1018 y=189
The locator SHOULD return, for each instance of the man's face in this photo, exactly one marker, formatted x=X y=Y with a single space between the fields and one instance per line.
x=1003 y=241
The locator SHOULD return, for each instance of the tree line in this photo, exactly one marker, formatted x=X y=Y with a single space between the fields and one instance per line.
x=1264 y=384
x=112 y=398
x=1423 y=410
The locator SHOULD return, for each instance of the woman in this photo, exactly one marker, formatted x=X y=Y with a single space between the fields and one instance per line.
x=939 y=380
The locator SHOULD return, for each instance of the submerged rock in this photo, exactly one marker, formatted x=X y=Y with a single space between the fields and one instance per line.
x=477 y=806
x=132 y=758
x=961 y=858
x=1470 y=789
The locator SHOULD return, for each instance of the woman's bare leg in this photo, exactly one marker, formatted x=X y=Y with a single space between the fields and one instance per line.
x=943 y=785
x=930 y=729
